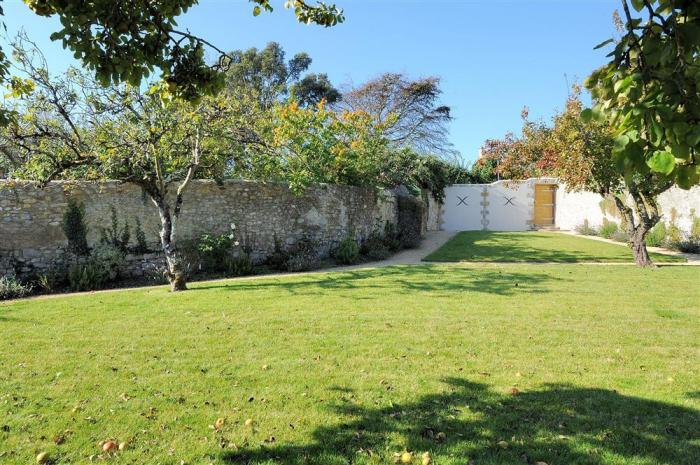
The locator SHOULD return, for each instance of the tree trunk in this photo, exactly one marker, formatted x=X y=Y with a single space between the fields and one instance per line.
x=174 y=267
x=639 y=247
x=647 y=215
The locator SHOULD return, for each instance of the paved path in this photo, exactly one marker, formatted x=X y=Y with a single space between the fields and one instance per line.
x=433 y=240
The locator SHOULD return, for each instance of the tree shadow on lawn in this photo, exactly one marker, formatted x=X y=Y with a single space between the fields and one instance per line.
x=406 y=279
x=560 y=424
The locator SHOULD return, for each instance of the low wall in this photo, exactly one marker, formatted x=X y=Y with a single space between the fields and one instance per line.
x=31 y=236
x=509 y=206
x=678 y=206
x=499 y=206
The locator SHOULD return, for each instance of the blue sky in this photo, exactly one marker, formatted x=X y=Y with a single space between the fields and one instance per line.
x=493 y=56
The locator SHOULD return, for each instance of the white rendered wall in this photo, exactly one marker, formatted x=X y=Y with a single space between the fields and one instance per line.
x=462 y=209
x=487 y=207
x=573 y=208
x=680 y=205
x=510 y=206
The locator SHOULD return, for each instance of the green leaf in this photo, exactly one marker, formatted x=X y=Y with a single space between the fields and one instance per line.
x=688 y=176
x=256 y=11
x=621 y=142
x=638 y=5
x=587 y=115
x=657 y=131
x=694 y=137
x=623 y=84
x=603 y=44
x=662 y=162
x=681 y=151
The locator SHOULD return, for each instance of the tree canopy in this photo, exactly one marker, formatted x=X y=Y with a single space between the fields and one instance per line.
x=128 y=41
x=411 y=108
x=530 y=155
x=265 y=75
x=649 y=90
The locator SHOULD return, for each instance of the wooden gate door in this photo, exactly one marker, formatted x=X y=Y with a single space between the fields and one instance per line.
x=545 y=195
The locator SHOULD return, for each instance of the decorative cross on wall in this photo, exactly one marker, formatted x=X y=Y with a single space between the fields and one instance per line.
x=462 y=200
x=509 y=200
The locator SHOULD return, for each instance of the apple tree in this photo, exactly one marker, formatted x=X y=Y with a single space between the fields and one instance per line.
x=648 y=93
x=70 y=127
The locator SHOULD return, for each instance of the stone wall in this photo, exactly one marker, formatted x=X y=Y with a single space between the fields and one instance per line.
x=31 y=236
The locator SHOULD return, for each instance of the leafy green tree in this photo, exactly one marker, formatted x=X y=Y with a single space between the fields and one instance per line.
x=72 y=127
x=266 y=75
x=483 y=171
x=313 y=88
x=584 y=151
x=649 y=90
x=648 y=93
x=128 y=41
x=318 y=145
x=585 y=160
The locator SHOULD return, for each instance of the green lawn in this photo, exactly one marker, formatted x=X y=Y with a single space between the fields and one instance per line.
x=487 y=246
x=354 y=367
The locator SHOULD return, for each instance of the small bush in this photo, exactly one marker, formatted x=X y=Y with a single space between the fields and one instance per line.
x=608 y=229
x=620 y=236
x=12 y=288
x=391 y=238
x=586 y=229
x=215 y=251
x=689 y=245
x=695 y=227
x=141 y=246
x=55 y=277
x=347 y=252
x=674 y=234
x=85 y=277
x=240 y=265
x=278 y=259
x=657 y=236
x=103 y=266
x=110 y=260
x=374 y=247
x=303 y=256
x=74 y=227
x=46 y=283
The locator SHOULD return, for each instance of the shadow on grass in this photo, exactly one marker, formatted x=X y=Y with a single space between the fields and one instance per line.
x=560 y=424
x=5 y=318
x=489 y=246
x=404 y=279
